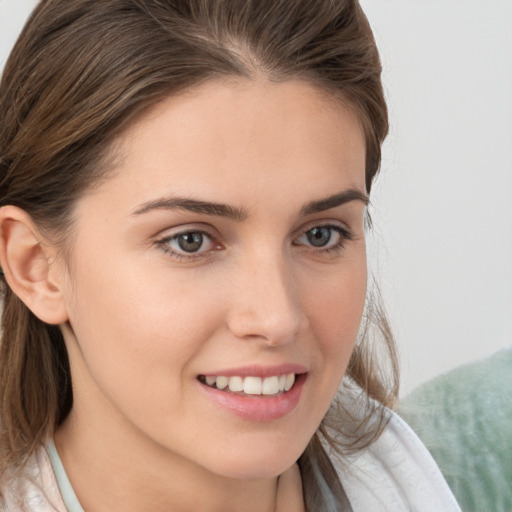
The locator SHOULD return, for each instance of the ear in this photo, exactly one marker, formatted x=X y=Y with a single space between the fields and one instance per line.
x=30 y=266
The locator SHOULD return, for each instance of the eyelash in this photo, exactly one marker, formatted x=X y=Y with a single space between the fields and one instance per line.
x=164 y=245
x=344 y=236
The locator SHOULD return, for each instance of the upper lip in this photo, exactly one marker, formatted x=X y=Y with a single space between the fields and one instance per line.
x=258 y=371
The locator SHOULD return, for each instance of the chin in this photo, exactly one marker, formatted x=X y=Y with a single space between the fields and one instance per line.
x=257 y=462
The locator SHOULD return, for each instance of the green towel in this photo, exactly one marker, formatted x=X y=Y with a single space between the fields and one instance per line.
x=465 y=419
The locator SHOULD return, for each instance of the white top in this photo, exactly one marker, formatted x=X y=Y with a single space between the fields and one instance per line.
x=396 y=473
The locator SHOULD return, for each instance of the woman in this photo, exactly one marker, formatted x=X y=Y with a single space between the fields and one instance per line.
x=184 y=189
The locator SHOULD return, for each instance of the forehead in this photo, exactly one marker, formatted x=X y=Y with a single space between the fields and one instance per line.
x=244 y=137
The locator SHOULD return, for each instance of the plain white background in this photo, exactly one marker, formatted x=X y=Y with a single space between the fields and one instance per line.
x=441 y=246
x=444 y=198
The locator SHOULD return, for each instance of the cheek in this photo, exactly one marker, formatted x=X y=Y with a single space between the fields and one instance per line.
x=137 y=342
x=140 y=330
x=335 y=310
x=334 y=307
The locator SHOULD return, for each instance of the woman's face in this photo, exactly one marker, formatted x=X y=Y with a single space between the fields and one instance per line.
x=226 y=251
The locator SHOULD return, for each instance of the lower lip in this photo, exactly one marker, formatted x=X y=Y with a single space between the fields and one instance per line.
x=258 y=408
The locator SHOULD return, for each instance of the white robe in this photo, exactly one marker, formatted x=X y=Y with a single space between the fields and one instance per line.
x=395 y=473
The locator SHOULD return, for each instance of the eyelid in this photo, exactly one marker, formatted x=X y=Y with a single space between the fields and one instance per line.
x=166 y=236
x=163 y=242
x=343 y=232
x=193 y=227
x=338 y=225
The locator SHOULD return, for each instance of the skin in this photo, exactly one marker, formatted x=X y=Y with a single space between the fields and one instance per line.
x=142 y=323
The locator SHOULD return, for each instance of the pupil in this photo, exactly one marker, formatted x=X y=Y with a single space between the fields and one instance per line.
x=190 y=242
x=319 y=237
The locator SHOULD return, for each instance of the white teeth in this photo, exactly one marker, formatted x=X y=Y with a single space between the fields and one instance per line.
x=290 y=379
x=270 y=386
x=253 y=385
x=236 y=384
x=222 y=382
x=211 y=381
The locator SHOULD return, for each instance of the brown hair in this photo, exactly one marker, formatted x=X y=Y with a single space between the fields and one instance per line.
x=80 y=71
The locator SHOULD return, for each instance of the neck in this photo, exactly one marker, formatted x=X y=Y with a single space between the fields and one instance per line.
x=106 y=475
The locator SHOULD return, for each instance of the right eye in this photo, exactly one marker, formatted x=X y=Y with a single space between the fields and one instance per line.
x=187 y=244
x=325 y=237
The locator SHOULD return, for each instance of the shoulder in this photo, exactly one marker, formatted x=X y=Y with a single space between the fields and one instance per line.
x=33 y=489
x=395 y=473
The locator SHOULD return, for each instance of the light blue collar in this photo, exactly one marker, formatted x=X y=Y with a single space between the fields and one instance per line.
x=68 y=495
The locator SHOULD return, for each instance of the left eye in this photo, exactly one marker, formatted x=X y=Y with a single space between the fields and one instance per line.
x=190 y=242
x=324 y=237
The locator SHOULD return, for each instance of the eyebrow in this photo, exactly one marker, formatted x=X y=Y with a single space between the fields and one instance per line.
x=347 y=196
x=240 y=214
x=193 y=205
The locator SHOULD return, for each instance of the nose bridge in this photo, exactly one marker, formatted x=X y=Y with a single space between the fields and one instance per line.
x=266 y=302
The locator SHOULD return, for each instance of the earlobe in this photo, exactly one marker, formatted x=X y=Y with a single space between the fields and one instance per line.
x=26 y=263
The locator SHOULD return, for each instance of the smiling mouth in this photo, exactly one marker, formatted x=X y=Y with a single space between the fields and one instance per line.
x=268 y=386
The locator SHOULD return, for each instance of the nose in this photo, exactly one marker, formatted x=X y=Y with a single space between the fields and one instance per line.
x=265 y=302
